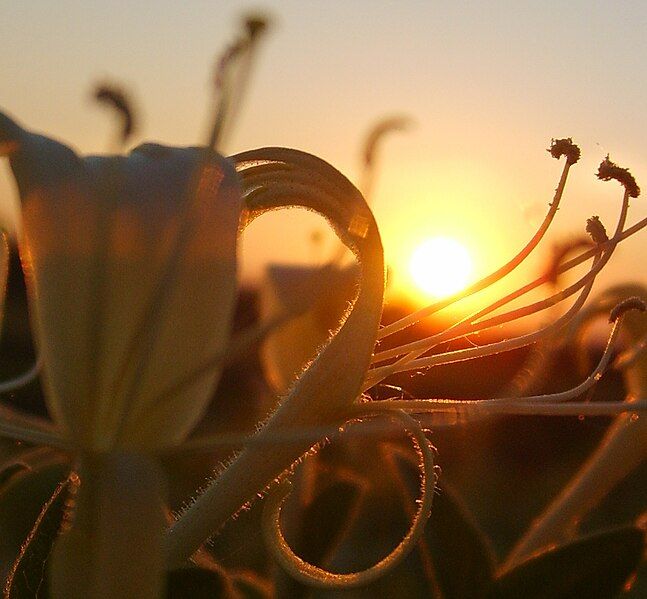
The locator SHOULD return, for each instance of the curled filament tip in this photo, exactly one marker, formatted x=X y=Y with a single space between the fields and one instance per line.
x=315 y=576
x=377 y=133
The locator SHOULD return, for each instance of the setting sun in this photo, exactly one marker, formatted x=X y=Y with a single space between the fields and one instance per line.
x=440 y=266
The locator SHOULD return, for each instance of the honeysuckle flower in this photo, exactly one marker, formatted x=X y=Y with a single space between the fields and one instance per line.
x=131 y=265
x=327 y=391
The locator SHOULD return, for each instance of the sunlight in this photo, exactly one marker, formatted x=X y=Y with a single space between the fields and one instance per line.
x=440 y=266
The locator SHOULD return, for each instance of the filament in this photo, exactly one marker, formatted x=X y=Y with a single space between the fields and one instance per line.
x=379 y=374
x=498 y=274
x=425 y=345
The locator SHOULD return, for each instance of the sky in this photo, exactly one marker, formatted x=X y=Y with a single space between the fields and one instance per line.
x=487 y=84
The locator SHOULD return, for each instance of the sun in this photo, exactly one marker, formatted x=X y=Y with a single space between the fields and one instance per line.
x=440 y=266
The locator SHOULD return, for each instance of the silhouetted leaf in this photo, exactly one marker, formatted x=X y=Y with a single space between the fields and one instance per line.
x=595 y=567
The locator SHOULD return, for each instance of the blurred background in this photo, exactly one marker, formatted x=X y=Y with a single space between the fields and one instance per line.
x=486 y=84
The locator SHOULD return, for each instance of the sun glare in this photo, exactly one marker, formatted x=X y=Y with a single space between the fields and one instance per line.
x=440 y=266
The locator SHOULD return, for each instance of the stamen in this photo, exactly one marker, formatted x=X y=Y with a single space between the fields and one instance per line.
x=564 y=147
x=420 y=347
x=255 y=24
x=379 y=374
x=500 y=273
x=371 y=144
x=437 y=413
x=621 y=236
x=231 y=78
x=473 y=324
x=426 y=405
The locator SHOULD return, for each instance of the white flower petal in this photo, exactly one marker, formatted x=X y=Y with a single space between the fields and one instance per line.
x=130 y=289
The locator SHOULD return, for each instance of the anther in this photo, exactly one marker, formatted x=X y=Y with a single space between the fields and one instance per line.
x=596 y=230
x=564 y=147
x=609 y=170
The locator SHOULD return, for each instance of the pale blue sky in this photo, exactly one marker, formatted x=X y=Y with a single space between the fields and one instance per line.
x=488 y=84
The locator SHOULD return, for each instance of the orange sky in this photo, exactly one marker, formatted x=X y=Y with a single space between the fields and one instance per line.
x=487 y=83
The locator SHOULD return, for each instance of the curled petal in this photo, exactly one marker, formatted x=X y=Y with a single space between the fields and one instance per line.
x=314 y=576
x=275 y=178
